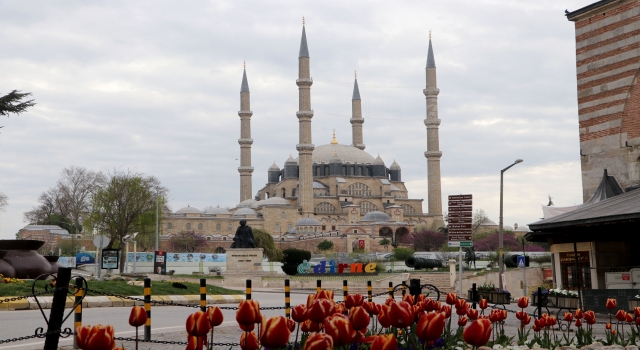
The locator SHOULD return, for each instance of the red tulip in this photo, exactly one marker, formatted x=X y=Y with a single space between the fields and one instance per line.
x=477 y=333
x=320 y=309
x=389 y=301
x=621 y=315
x=461 y=304
x=291 y=324
x=568 y=316
x=590 y=317
x=339 y=308
x=462 y=311
x=247 y=328
x=540 y=322
x=372 y=308
x=325 y=294
x=401 y=315
x=578 y=323
x=339 y=328
x=446 y=310
x=195 y=343
x=504 y=315
x=629 y=317
x=318 y=341
x=95 y=338
x=608 y=326
x=521 y=315
x=523 y=302
x=310 y=326
x=198 y=324
x=636 y=311
x=299 y=313
x=462 y=321
x=384 y=342
x=383 y=318
x=353 y=300
x=472 y=313
x=274 y=332
x=138 y=316
x=430 y=305
x=215 y=317
x=310 y=299
x=249 y=341
x=551 y=321
x=359 y=318
x=430 y=326
x=525 y=321
x=483 y=304
x=578 y=314
x=611 y=304
x=637 y=321
x=451 y=299
x=408 y=298
x=248 y=312
x=536 y=328
x=495 y=316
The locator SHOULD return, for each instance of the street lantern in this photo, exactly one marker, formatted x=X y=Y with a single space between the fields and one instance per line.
x=501 y=233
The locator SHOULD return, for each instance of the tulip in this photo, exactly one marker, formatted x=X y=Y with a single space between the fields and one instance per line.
x=521 y=315
x=636 y=311
x=310 y=326
x=472 y=313
x=504 y=315
x=408 y=298
x=523 y=302
x=195 y=343
x=214 y=315
x=578 y=314
x=138 y=316
x=384 y=319
x=568 y=316
x=248 y=312
x=325 y=294
x=461 y=304
x=477 y=333
x=339 y=328
x=495 y=316
x=462 y=321
x=629 y=318
x=536 y=328
x=318 y=341
x=274 y=332
x=621 y=315
x=353 y=300
x=451 y=299
x=95 y=338
x=608 y=326
x=483 y=304
x=198 y=324
x=384 y=342
x=551 y=321
x=401 y=314
x=359 y=318
x=310 y=299
x=389 y=301
x=446 y=310
x=590 y=317
x=371 y=307
x=320 y=309
x=299 y=313
x=340 y=308
x=249 y=341
x=540 y=323
x=431 y=305
x=462 y=311
x=246 y=328
x=578 y=323
x=614 y=332
x=637 y=321
x=611 y=304
x=430 y=326
x=525 y=321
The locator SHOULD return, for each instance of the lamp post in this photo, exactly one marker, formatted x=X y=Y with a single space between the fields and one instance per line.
x=501 y=233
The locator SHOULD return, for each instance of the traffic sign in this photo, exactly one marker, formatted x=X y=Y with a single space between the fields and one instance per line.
x=456 y=209
x=459 y=220
x=458 y=238
x=460 y=203
x=466 y=244
x=460 y=244
x=459 y=226
x=521 y=261
x=101 y=241
x=460 y=197
x=460 y=214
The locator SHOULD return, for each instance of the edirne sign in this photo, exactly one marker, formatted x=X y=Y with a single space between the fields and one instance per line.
x=459 y=220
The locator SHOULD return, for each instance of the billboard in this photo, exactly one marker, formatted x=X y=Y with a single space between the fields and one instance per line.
x=160 y=263
x=179 y=257
x=110 y=258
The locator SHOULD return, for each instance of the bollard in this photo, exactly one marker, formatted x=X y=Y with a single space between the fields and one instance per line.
x=248 y=290
x=147 y=308
x=77 y=317
x=539 y=302
x=474 y=295
x=404 y=288
x=57 y=309
x=415 y=289
x=391 y=290
x=203 y=294
x=318 y=286
x=345 y=290
x=369 y=292
x=287 y=298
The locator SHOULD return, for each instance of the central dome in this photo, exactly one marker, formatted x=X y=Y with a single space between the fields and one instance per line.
x=346 y=154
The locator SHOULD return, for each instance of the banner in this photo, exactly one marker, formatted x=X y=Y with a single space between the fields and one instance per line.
x=160 y=263
x=178 y=257
x=110 y=258
x=67 y=261
x=85 y=258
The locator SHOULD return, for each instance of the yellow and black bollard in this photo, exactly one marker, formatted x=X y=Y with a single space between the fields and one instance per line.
x=404 y=288
x=203 y=294
x=77 y=317
x=248 y=290
x=391 y=290
x=147 y=308
x=318 y=286
x=345 y=289
x=369 y=292
x=287 y=299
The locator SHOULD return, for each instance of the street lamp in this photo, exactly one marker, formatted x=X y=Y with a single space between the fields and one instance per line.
x=501 y=233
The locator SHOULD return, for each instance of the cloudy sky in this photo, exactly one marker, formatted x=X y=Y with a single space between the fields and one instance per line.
x=154 y=86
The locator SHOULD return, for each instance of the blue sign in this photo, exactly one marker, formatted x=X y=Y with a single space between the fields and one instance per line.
x=85 y=258
x=179 y=257
x=521 y=261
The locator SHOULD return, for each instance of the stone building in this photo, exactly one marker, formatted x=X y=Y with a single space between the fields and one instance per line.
x=333 y=187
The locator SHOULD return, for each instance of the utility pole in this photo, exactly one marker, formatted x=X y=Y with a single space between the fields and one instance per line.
x=501 y=234
x=157 y=211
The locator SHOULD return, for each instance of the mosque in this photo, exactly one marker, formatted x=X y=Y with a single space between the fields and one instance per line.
x=331 y=188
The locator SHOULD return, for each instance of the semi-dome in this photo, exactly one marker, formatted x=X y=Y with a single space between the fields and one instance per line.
x=273 y=201
x=247 y=203
x=245 y=211
x=376 y=216
x=346 y=154
x=189 y=210
x=217 y=210
x=308 y=222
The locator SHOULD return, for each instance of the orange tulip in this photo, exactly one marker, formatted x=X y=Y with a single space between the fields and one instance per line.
x=318 y=341
x=451 y=298
x=578 y=323
x=401 y=315
x=353 y=300
x=248 y=312
x=525 y=321
x=299 y=313
x=320 y=309
x=249 y=341
x=339 y=328
x=95 y=338
x=138 y=316
x=198 y=324
x=472 y=313
x=383 y=319
x=274 y=332
x=359 y=318
x=568 y=316
x=430 y=326
x=636 y=311
x=608 y=326
x=629 y=318
x=477 y=333
x=384 y=342
x=430 y=305
x=446 y=310
x=621 y=315
x=462 y=321
x=310 y=326
x=578 y=314
x=325 y=294
x=611 y=304
x=483 y=304
x=215 y=317
x=372 y=308
x=408 y=298
x=310 y=299
x=504 y=315
x=195 y=343
x=590 y=317
x=523 y=302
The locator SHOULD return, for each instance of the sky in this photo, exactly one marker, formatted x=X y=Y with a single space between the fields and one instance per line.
x=153 y=86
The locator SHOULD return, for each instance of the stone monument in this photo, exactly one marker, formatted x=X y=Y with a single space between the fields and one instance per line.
x=243 y=257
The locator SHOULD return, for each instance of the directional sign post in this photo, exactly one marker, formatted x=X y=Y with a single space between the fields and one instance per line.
x=522 y=262
x=459 y=220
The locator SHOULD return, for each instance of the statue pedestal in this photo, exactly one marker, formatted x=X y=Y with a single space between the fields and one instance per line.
x=244 y=260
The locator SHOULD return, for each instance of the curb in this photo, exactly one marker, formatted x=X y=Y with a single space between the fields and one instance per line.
x=110 y=301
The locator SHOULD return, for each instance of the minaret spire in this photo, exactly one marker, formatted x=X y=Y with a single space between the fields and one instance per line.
x=305 y=113
x=245 y=140
x=433 y=152
x=356 y=116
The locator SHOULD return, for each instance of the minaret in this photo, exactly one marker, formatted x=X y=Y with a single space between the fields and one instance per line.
x=433 y=152
x=304 y=114
x=356 y=116
x=245 y=139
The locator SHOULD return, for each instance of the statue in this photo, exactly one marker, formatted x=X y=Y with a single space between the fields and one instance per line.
x=244 y=236
x=470 y=256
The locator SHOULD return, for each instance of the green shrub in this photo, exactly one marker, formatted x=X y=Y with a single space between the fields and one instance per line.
x=402 y=253
x=292 y=257
x=265 y=241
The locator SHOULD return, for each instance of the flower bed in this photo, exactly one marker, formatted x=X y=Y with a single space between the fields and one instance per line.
x=560 y=298
x=634 y=302
x=493 y=297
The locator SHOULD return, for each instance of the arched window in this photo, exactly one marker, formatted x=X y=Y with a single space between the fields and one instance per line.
x=277 y=228
x=284 y=193
x=229 y=227
x=359 y=189
x=200 y=227
x=188 y=227
x=169 y=226
x=325 y=208
x=289 y=227
x=218 y=227
x=344 y=170
x=283 y=215
x=326 y=170
x=266 y=195
x=408 y=209
x=366 y=207
x=208 y=238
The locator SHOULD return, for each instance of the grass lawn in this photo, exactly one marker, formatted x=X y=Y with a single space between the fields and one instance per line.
x=209 y=277
x=118 y=287
x=335 y=277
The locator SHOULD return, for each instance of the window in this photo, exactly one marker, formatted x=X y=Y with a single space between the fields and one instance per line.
x=326 y=170
x=359 y=189
x=229 y=227
x=169 y=226
x=408 y=209
x=344 y=170
x=283 y=215
x=200 y=227
x=289 y=227
x=188 y=227
x=208 y=238
x=218 y=227
x=325 y=208
x=277 y=228
x=366 y=207
x=355 y=231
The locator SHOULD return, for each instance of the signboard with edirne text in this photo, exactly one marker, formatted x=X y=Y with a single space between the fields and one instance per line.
x=459 y=220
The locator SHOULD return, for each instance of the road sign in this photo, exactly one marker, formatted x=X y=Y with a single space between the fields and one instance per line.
x=466 y=244
x=461 y=214
x=459 y=226
x=521 y=261
x=457 y=209
x=460 y=244
x=460 y=197
x=101 y=241
x=459 y=220
x=459 y=237
x=460 y=203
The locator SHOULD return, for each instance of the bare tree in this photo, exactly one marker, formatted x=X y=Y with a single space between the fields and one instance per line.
x=187 y=241
x=4 y=201
x=479 y=218
x=77 y=185
x=53 y=208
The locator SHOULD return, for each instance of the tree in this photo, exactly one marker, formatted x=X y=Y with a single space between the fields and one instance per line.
x=293 y=257
x=187 y=241
x=401 y=253
x=479 y=218
x=385 y=242
x=119 y=203
x=4 y=201
x=265 y=241
x=12 y=103
x=425 y=240
x=325 y=245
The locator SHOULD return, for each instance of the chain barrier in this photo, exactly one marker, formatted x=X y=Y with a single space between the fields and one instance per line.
x=170 y=342
x=39 y=334
x=7 y=300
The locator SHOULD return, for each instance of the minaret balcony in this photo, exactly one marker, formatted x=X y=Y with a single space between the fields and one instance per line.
x=245 y=169
x=245 y=113
x=433 y=154
x=432 y=122
x=245 y=141
x=302 y=115
x=305 y=147
x=430 y=92
x=356 y=120
x=304 y=82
